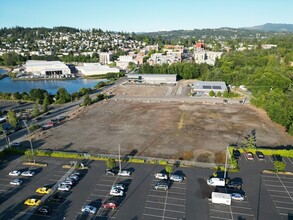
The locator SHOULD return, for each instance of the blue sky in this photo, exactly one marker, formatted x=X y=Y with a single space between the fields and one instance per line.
x=144 y=15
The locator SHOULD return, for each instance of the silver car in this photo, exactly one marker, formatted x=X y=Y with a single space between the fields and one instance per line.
x=163 y=185
x=16 y=182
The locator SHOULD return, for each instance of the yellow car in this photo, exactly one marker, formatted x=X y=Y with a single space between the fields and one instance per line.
x=32 y=202
x=43 y=190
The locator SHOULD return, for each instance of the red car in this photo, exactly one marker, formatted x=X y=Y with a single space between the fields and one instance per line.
x=249 y=156
x=109 y=205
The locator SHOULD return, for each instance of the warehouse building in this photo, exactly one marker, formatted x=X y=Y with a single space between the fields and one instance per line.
x=50 y=69
x=153 y=78
x=90 y=69
x=204 y=87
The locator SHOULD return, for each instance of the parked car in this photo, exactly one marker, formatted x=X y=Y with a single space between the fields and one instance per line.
x=69 y=181
x=116 y=192
x=249 y=156
x=260 y=155
x=57 y=197
x=176 y=178
x=76 y=174
x=15 y=144
x=16 y=182
x=161 y=176
x=74 y=177
x=14 y=173
x=43 y=190
x=32 y=202
x=163 y=185
x=88 y=209
x=236 y=154
x=237 y=196
x=64 y=187
x=109 y=205
x=28 y=173
x=235 y=184
x=124 y=173
x=110 y=172
x=44 y=210
x=119 y=186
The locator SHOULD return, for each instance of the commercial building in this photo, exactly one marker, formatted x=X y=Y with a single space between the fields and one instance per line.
x=49 y=69
x=159 y=58
x=203 y=56
x=90 y=69
x=204 y=87
x=153 y=78
x=105 y=58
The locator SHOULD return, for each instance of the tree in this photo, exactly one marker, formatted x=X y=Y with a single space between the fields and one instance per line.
x=279 y=166
x=212 y=93
x=250 y=140
x=169 y=169
x=219 y=94
x=12 y=118
x=46 y=102
x=36 y=110
x=62 y=96
x=87 y=100
x=110 y=163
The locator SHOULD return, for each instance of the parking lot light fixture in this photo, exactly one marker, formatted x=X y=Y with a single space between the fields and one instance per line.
x=31 y=143
x=226 y=162
x=119 y=157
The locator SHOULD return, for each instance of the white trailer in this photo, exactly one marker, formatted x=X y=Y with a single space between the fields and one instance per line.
x=214 y=181
x=221 y=198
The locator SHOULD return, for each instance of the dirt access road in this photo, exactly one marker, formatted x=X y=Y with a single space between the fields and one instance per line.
x=191 y=131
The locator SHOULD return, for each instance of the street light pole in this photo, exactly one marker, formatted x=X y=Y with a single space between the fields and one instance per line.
x=31 y=143
x=119 y=158
x=226 y=162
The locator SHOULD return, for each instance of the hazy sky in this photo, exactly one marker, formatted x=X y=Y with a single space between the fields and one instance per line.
x=144 y=15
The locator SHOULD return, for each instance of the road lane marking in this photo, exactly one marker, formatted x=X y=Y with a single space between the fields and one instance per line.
x=284 y=187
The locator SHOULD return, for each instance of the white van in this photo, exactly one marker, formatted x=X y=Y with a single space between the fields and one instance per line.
x=221 y=198
x=214 y=181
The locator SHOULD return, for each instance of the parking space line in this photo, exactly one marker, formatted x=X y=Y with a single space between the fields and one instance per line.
x=158 y=216
x=270 y=159
x=175 y=187
x=216 y=217
x=176 y=198
x=240 y=207
x=279 y=207
x=290 y=160
x=99 y=184
x=239 y=213
x=282 y=202
x=166 y=203
x=279 y=196
x=278 y=186
x=103 y=190
x=231 y=212
x=165 y=210
x=216 y=210
x=178 y=193
x=272 y=190
x=284 y=186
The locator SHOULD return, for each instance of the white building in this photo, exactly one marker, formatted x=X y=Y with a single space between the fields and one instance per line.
x=105 y=57
x=153 y=78
x=47 y=68
x=208 y=57
x=90 y=69
x=159 y=58
x=123 y=61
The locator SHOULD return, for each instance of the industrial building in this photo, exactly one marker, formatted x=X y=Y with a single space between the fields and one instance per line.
x=204 y=87
x=153 y=78
x=90 y=69
x=47 y=69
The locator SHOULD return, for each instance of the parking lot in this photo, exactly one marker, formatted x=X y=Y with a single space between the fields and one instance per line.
x=183 y=200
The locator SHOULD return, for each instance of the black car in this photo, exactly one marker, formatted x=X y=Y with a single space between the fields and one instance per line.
x=111 y=172
x=44 y=210
x=260 y=155
x=235 y=184
x=236 y=154
x=57 y=197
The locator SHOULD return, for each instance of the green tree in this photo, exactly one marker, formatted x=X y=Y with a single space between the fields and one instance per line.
x=279 y=166
x=36 y=110
x=219 y=94
x=87 y=100
x=46 y=102
x=212 y=93
x=169 y=169
x=225 y=94
x=12 y=118
x=250 y=140
x=110 y=163
x=62 y=96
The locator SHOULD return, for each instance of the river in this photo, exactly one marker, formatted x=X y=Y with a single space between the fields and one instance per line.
x=7 y=85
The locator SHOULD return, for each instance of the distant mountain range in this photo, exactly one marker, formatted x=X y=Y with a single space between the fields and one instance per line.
x=272 y=27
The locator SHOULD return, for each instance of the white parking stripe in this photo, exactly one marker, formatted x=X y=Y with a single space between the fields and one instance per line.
x=177 y=193
x=290 y=160
x=166 y=203
x=158 y=216
x=165 y=210
x=216 y=217
x=271 y=159
x=239 y=213
x=279 y=196
x=272 y=190
x=282 y=202
x=284 y=187
x=175 y=187
x=107 y=185
x=278 y=186
x=103 y=190
x=240 y=207
x=279 y=207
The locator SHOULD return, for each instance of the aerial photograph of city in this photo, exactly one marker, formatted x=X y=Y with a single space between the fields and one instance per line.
x=146 y=110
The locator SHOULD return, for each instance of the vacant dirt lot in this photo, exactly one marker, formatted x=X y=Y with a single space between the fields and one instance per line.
x=170 y=130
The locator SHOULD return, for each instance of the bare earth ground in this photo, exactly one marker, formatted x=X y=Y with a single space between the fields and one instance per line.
x=191 y=131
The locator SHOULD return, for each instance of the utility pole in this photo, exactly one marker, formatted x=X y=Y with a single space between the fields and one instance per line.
x=226 y=162
x=32 y=149
x=119 y=158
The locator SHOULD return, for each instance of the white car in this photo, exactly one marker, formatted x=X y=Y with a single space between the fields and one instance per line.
x=64 y=187
x=176 y=178
x=118 y=186
x=16 y=182
x=28 y=173
x=161 y=176
x=237 y=196
x=116 y=192
x=14 y=173
x=88 y=209
x=124 y=173
x=15 y=144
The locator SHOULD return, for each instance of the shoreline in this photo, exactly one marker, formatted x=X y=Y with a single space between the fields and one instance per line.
x=8 y=69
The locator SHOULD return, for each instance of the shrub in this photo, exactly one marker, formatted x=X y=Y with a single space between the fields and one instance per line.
x=163 y=162
x=135 y=160
x=279 y=166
